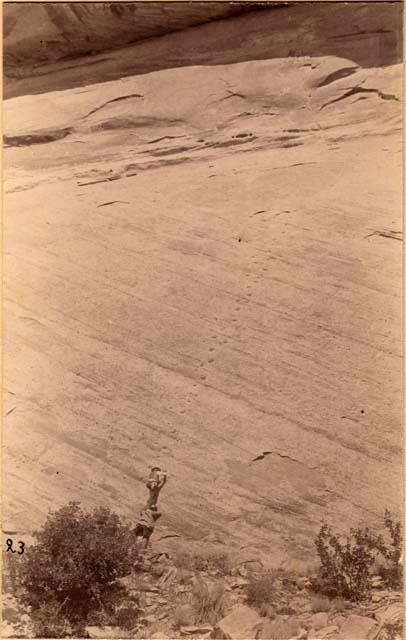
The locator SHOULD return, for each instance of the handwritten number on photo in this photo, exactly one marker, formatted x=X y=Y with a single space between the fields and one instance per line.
x=9 y=543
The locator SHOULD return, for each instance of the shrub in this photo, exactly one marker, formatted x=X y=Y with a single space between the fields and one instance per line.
x=72 y=570
x=208 y=603
x=126 y=617
x=261 y=589
x=391 y=570
x=48 y=623
x=346 y=565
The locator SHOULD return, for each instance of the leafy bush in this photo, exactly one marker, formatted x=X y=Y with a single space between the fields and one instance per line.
x=390 y=570
x=72 y=570
x=126 y=617
x=47 y=621
x=261 y=589
x=346 y=565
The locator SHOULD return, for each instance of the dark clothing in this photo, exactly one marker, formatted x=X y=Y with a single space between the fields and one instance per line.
x=145 y=525
x=143 y=531
x=148 y=517
x=153 y=496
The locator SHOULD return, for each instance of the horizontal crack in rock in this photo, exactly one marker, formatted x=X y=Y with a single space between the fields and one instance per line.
x=131 y=95
x=27 y=139
x=261 y=456
x=337 y=75
x=355 y=90
x=394 y=235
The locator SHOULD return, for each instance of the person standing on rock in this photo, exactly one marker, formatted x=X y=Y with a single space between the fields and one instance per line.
x=155 y=482
x=145 y=525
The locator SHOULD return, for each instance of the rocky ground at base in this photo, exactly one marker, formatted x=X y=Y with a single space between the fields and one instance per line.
x=168 y=598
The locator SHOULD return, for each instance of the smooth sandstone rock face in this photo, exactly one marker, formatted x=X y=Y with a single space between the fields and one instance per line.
x=391 y=614
x=357 y=627
x=319 y=620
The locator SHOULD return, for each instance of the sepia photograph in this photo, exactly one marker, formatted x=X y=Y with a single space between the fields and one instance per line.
x=202 y=311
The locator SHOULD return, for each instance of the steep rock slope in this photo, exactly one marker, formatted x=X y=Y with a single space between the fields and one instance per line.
x=203 y=269
x=368 y=33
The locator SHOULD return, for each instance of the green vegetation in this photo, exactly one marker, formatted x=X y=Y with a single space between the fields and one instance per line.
x=70 y=577
x=346 y=564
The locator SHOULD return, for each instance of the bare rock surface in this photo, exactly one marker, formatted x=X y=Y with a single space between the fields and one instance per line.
x=241 y=623
x=203 y=265
x=357 y=627
x=319 y=620
x=105 y=632
x=172 y=608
